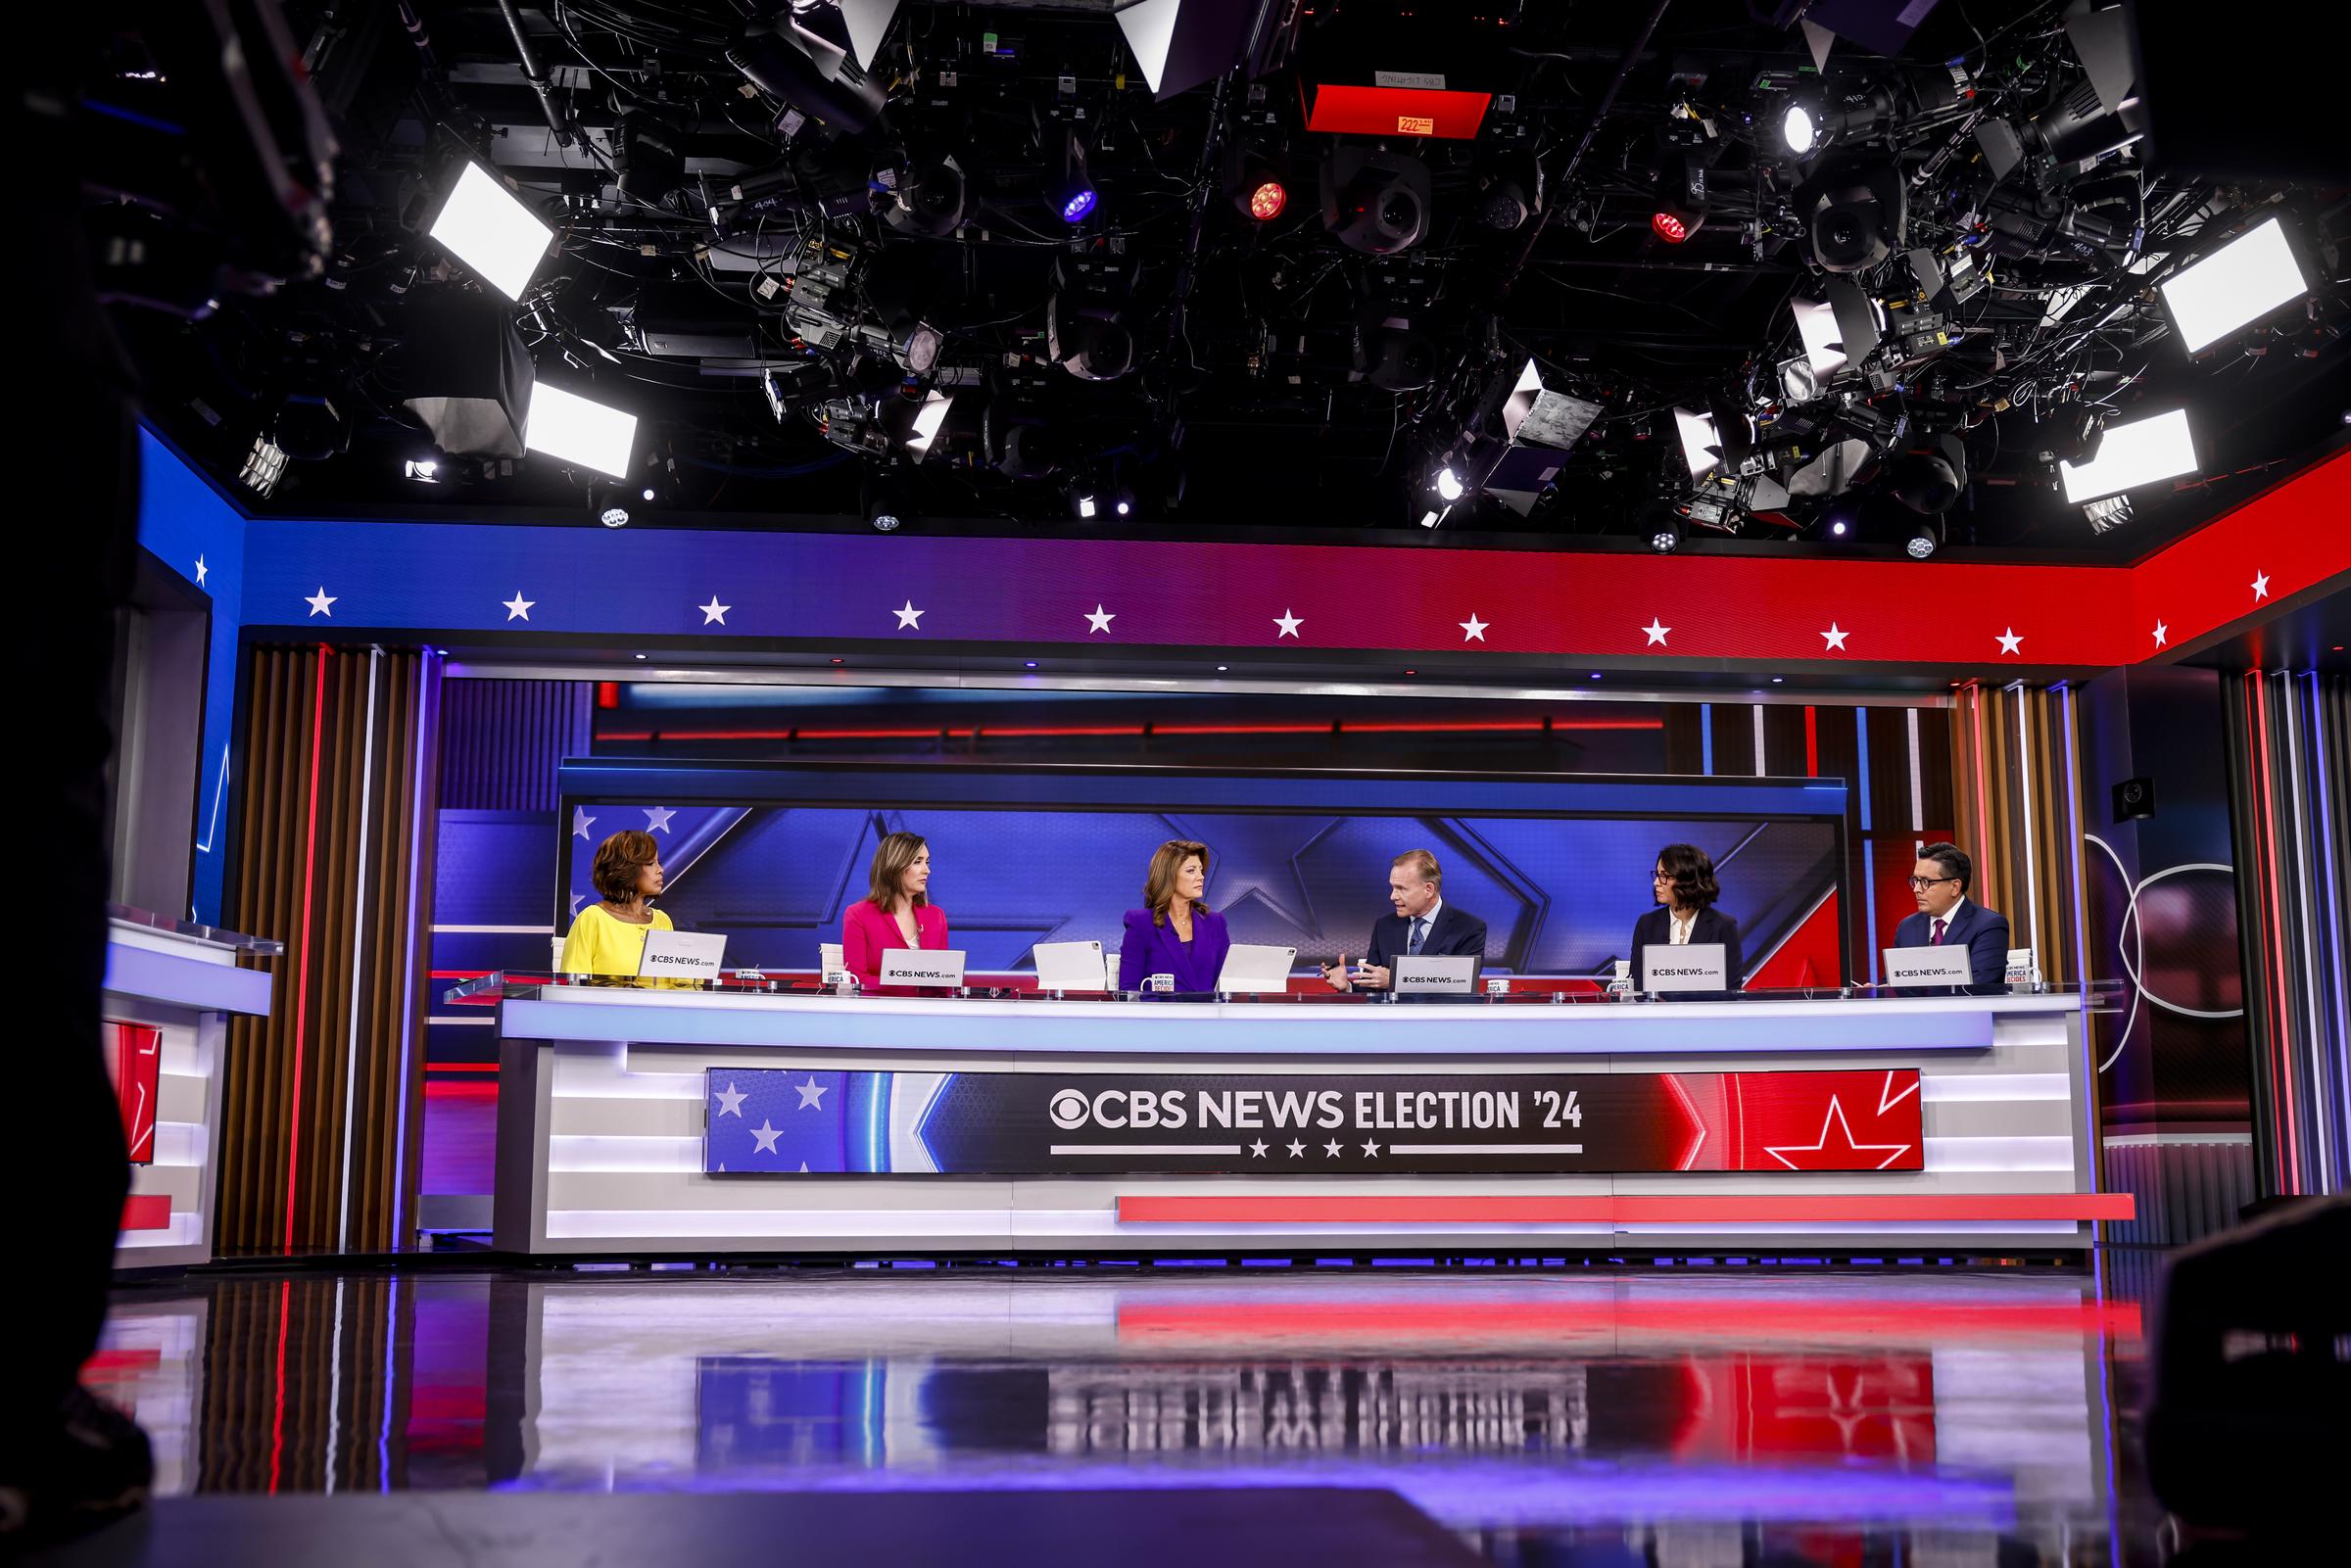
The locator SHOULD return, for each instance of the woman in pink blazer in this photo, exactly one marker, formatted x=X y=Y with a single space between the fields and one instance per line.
x=896 y=913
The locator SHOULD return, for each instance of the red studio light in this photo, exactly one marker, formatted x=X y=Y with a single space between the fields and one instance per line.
x=1268 y=199
x=1667 y=227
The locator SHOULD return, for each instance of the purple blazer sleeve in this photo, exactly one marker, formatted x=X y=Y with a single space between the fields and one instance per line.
x=1134 y=950
x=1211 y=942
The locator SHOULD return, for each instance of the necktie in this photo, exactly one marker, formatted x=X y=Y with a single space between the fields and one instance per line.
x=1419 y=929
x=1937 y=939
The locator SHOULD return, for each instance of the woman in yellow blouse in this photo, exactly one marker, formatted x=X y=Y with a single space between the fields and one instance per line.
x=608 y=936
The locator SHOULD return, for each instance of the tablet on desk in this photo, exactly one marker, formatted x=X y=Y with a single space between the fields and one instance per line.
x=1250 y=968
x=1069 y=965
x=682 y=955
x=915 y=965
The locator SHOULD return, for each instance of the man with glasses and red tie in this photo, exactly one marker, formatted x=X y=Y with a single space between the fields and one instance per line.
x=1947 y=917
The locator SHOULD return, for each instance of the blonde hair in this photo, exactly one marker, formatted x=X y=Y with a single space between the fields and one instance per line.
x=1424 y=864
x=1159 y=887
x=892 y=857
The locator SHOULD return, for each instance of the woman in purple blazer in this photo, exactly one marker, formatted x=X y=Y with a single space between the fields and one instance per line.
x=1172 y=934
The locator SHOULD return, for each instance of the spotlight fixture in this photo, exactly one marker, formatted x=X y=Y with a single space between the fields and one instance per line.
x=1086 y=503
x=614 y=517
x=1665 y=532
x=1430 y=518
x=423 y=470
x=264 y=465
x=482 y=226
x=1853 y=214
x=1085 y=328
x=1123 y=506
x=1254 y=183
x=1069 y=190
x=2108 y=513
x=577 y=430
x=924 y=199
x=1448 y=484
x=929 y=417
x=817 y=76
x=1671 y=225
x=885 y=522
x=1925 y=537
x=1701 y=444
x=1927 y=479
x=1376 y=202
x=2129 y=455
x=2235 y=286
x=1799 y=128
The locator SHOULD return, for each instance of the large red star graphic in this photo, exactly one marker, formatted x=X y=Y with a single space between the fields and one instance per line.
x=1839 y=1154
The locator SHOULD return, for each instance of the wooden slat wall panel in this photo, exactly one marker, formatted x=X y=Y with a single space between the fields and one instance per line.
x=339 y=789
x=2015 y=757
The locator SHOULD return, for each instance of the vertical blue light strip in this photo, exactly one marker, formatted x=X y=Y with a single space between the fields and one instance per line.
x=2331 y=976
x=428 y=746
x=383 y=1442
x=1706 y=739
x=1869 y=851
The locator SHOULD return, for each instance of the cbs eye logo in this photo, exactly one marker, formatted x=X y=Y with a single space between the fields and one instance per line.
x=1069 y=1108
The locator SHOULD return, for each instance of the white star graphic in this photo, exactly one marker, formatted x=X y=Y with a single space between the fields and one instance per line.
x=1657 y=630
x=2261 y=586
x=581 y=821
x=730 y=1099
x=1330 y=1150
x=2010 y=640
x=714 y=611
x=804 y=1170
x=1257 y=1149
x=811 y=1093
x=577 y=900
x=321 y=602
x=1371 y=1149
x=1099 y=620
x=656 y=818
x=201 y=570
x=763 y=1138
x=1296 y=1149
x=1836 y=1116
x=1473 y=630
x=909 y=616
x=2162 y=633
x=1834 y=637
x=518 y=608
x=1288 y=623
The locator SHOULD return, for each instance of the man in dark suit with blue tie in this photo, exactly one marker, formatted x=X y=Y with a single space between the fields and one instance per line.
x=1946 y=916
x=1423 y=925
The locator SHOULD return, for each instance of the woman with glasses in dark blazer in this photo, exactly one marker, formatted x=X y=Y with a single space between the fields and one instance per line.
x=1685 y=889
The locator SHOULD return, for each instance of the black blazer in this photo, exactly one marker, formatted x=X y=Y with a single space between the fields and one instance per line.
x=1711 y=926
x=1457 y=934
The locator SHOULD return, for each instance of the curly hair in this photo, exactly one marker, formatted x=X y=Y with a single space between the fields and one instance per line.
x=618 y=860
x=1691 y=874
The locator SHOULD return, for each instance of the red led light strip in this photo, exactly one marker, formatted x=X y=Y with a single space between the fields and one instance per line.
x=2264 y=826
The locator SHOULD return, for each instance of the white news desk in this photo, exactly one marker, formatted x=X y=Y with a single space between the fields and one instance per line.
x=603 y=1109
x=182 y=983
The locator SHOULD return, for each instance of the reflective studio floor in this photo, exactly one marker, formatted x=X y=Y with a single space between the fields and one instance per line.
x=1682 y=1417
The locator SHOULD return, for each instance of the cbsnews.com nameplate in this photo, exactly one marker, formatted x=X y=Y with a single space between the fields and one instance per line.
x=800 y=1122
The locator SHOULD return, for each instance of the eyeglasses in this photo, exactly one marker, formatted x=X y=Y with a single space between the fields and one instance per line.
x=1919 y=885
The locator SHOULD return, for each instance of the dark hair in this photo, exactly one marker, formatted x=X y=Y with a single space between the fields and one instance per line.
x=1158 y=883
x=892 y=857
x=1953 y=862
x=618 y=860
x=1691 y=874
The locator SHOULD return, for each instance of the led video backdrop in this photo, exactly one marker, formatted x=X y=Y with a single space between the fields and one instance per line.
x=1559 y=868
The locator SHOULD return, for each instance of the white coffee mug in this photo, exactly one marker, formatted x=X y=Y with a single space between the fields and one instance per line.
x=1497 y=985
x=1159 y=983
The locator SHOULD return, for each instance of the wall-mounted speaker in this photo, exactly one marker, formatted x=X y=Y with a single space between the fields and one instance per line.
x=2134 y=798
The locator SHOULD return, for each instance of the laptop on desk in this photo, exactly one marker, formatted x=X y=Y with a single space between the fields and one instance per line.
x=1252 y=967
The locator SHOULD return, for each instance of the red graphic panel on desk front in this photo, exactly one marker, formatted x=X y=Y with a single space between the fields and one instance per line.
x=138 y=1061
x=1800 y=1120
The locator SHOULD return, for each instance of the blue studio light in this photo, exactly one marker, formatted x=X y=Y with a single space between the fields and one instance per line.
x=1074 y=210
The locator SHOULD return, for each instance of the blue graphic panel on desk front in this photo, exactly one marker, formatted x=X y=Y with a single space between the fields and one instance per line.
x=1558 y=893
